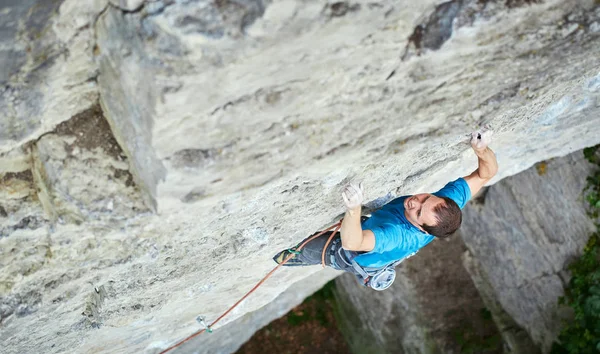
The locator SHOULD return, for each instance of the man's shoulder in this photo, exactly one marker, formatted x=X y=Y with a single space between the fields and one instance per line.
x=457 y=190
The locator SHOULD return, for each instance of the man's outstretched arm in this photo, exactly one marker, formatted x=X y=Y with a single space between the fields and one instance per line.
x=488 y=165
x=354 y=238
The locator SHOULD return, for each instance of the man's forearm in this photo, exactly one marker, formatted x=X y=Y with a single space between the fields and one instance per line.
x=488 y=165
x=351 y=231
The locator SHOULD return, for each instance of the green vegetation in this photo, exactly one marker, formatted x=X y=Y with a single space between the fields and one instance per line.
x=470 y=342
x=592 y=194
x=582 y=334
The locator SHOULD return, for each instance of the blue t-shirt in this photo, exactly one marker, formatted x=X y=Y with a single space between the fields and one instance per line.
x=395 y=237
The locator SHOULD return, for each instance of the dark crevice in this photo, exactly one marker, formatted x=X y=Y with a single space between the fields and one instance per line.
x=433 y=32
x=195 y=195
x=479 y=198
x=390 y=75
x=269 y=95
x=19 y=304
x=198 y=158
x=29 y=222
x=221 y=18
x=332 y=151
x=436 y=30
x=340 y=8
x=23 y=175
x=516 y=3
x=126 y=11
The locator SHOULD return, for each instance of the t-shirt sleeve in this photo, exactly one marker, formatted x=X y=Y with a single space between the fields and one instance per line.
x=390 y=237
x=458 y=191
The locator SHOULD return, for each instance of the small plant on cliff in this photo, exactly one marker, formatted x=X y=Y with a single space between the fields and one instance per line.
x=592 y=194
x=582 y=335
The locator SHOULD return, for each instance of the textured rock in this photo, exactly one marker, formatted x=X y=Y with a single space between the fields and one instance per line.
x=187 y=147
x=48 y=73
x=239 y=121
x=383 y=322
x=532 y=225
x=515 y=338
x=86 y=172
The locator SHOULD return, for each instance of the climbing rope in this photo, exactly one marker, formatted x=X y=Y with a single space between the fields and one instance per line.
x=336 y=227
x=327 y=244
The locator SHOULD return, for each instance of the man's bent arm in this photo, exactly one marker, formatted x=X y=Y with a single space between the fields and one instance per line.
x=354 y=238
x=488 y=165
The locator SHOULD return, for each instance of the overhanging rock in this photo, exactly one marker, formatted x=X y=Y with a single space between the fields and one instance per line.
x=240 y=121
x=213 y=108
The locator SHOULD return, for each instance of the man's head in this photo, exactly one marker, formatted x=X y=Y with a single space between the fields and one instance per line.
x=438 y=216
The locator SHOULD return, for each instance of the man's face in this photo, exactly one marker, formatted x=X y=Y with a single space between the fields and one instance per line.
x=418 y=209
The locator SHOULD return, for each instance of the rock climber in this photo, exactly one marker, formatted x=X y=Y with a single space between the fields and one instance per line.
x=370 y=247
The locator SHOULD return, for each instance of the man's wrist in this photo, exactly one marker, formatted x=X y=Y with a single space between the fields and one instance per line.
x=481 y=152
x=353 y=211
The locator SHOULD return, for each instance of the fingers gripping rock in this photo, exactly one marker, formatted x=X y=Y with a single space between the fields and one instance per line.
x=353 y=195
x=481 y=139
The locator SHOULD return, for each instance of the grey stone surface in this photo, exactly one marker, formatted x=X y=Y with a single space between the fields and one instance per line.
x=262 y=112
x=47 y=73
x=383 y=322
x=525 y=233
x=12 y=57
x=122 y=57
x=71 y=159
x=240 y=121
x=514 y=337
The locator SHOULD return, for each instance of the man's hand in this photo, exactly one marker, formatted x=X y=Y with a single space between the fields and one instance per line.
x=488 y=166
x=480 y=140
x=353 y=195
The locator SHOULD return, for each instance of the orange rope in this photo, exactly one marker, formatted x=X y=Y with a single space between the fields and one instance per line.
x=336 y=226
x=327 y=243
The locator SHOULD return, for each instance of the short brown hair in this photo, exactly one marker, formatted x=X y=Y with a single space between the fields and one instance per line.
x=449 y=218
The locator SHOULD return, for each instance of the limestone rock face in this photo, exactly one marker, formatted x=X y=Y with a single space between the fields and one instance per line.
x=155 y=154
x=524 y=233
x=47 y=70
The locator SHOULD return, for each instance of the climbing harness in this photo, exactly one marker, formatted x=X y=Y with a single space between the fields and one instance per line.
x=376 y=278
x=208 y=328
